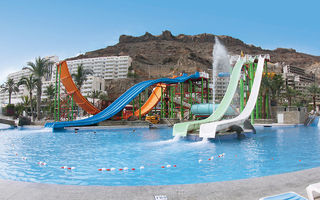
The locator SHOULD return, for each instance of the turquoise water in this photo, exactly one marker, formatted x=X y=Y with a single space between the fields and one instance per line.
x=164 y=161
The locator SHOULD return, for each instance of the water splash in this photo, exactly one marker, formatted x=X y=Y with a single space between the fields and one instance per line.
x=220 y=63
x=200 y=144
x=26 y=130
x=170 y=141
x=204 y=140
x=176 y=138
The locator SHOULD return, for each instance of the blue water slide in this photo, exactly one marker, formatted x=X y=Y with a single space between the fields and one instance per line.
x=121 y=102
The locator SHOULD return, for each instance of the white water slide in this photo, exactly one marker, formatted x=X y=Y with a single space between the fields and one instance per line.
x=208 y=130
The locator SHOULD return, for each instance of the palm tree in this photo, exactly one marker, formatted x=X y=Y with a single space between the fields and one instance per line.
x=95 y=94
x=265 y=91
x=25 y=101
x=11 y=87
x=276 y=85
x=81 y=76
x=314 y=90
x=103 y=96
x=30 y=83
x=39 y=69
x=50 y=92
x=290 y=94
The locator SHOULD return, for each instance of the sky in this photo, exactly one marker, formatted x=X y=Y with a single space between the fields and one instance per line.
x=65 y=28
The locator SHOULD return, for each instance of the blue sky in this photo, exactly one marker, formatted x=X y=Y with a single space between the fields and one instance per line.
x=31 y=28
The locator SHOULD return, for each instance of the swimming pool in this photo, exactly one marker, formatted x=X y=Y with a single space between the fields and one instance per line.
x=38 y=155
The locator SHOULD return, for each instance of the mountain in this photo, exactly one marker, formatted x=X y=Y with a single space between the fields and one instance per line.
x=162 y=55
x=166 y=52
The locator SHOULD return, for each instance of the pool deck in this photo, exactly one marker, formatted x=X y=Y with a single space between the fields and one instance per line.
x=245 y=189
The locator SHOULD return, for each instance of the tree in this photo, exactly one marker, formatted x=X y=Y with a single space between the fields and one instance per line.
x=276 y=85
x=314 y=90
x=11 y=87
x=290 y=94
x=39 y=69
x=19 y=108
x=81 y=76
x=103 y=96
x=30 y=83
x=50 y=92
x=25 y=101
x=265 y=91
x=95 y=94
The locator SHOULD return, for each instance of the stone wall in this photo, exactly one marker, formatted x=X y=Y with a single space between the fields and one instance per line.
x=292 y=115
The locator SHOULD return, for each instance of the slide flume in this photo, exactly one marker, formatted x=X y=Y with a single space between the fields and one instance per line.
x=182 y=129
x=71 y=88
x=121 y=102
x=152 y=101
x=209 y=130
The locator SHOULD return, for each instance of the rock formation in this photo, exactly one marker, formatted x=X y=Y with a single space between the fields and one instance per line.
x=162 y=55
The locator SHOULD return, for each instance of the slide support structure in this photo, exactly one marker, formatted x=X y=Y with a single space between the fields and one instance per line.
x=267 y=95
x=161 y=102
x=71 y=107
x=59 y=94
x=190 y=97
x=241 y=95
x=251 y=74
x=181 y=101
x=257 y=104
x=208 y=91
x=139 y=106
x=119 y=104
x=201 y=90
x=172 y=104
x=133 y=106
x=55 y=96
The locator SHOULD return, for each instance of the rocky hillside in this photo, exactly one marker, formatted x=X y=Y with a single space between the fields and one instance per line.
x=162 y=55
x=165 y=52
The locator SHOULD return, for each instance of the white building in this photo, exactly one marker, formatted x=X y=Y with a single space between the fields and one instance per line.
x=112 y=67
x=16 y=76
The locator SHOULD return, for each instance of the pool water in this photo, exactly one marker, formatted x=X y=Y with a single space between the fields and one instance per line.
x=37 y=155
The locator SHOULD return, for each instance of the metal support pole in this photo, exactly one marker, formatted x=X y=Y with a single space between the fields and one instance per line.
x=245 y=89
x=122 y=114
x=257 y=103
x=59 y=92
x=146 y=94
x=140 y=106
x=181 y=101
x=55 y=96
x=190 y=97
x=201 y=90
x=67 y=108
x=72 y=107
x=260 y=104
x=208 y=91
x=241 y=95
x=133 y=106
x=251 y=83
x=161 y=101
x=171 y=101
x=267 y=94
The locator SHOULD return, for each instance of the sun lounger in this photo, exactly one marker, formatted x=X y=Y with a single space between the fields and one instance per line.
x=284 y=196
x=313 y=188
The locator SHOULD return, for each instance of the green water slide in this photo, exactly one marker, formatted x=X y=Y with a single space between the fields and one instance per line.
x=182 y=129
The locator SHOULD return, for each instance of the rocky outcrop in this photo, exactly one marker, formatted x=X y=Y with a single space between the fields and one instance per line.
x=163 y=55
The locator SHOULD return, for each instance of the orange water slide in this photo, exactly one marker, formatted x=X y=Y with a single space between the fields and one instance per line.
x=72 y=89
x=152 y=101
